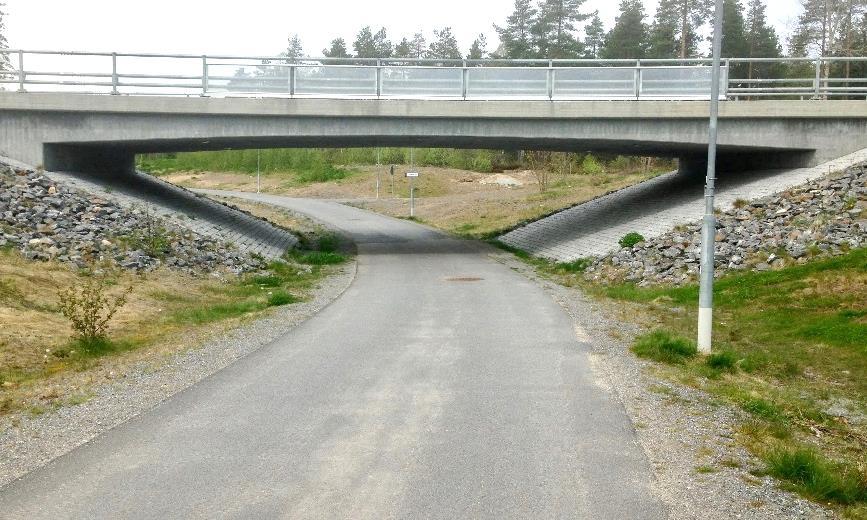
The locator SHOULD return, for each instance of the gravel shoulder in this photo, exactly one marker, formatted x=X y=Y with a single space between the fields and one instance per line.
x=689 y=438
x=31 y=442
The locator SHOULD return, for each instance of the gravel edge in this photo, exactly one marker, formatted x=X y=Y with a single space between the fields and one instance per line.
x=36 y=441
x=679 y=428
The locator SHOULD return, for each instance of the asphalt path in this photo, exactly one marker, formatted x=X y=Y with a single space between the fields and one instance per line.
x=440 y=385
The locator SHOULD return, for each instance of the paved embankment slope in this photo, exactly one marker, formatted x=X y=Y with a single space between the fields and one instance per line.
x=202 y=215
x=652 y=208
x=440 y=385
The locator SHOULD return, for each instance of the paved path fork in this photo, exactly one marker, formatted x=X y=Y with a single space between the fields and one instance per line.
x=440 y=385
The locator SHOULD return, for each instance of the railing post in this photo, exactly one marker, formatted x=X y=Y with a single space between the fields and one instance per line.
x=21 y=71
x=114 y=81
x=637 y=80
x=817 y=82
x=464 y=77
x=550 y=80
x=725 y=85
x=204 y=75
x=378 y=78
x=292 y=70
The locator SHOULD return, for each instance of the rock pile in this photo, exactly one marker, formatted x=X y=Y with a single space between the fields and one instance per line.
x=48 y=221
x=825 y=217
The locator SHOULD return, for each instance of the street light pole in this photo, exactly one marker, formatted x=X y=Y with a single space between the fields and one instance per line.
x=705 y=295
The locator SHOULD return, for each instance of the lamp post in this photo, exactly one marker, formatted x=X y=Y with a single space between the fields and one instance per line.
x=705 y=295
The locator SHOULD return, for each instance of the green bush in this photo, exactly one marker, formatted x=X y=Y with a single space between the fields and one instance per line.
x=630 y=239
x=661 y=346
x=89 y=309
x=591 y=166
x=817 y=477
x=329 y=243
x=576 y=266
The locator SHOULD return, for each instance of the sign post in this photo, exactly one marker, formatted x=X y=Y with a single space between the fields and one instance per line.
x=411 y=176
x=258 y=163
x=705 y=295
x=392 y=181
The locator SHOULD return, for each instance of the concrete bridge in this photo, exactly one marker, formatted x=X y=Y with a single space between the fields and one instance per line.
x=102 y=133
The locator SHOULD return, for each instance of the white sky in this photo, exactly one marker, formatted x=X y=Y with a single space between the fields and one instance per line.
x=260 y=27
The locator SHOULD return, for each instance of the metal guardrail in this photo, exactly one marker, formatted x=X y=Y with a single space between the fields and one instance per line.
x=408 y=78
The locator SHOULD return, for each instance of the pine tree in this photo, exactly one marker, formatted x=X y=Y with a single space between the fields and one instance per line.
x=5 y=65
x=515 y=36
x=675 y=30
x=762 y=42
x=294 y=49
x=444 y=46
x=419 y=45
x=404 y=49
x=479 y=48
x=827 y=28
x=594 y=37
x=381 y=44
x=337 y=49
x=554 y=29
x=364 y=44
x=628 y=39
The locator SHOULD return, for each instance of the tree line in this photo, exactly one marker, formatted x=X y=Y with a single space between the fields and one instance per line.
x=562 y=29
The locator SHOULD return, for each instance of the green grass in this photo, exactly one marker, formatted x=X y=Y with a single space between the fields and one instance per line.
x=281 y=298
x=662 y=346
x=816 y=477
x=630 y=239
x=723 y=360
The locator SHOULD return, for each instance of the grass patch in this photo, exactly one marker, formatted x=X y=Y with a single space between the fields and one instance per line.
x=318 y=257
x=281 y=298
x=816 y=477
x=661 y=346
x=790 y=343
x=724 y=360
x=630 y=239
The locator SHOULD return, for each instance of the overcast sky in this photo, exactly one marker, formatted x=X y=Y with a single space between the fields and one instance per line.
x=258 y=27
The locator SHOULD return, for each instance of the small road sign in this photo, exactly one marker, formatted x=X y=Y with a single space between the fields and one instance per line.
x=412 y=174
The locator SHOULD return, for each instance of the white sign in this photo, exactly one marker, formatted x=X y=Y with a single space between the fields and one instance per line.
x=412 y=174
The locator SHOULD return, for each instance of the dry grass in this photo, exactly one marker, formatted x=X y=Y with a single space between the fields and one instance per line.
x=167 y=312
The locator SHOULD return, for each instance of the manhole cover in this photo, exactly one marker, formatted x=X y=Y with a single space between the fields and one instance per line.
x=463 y=279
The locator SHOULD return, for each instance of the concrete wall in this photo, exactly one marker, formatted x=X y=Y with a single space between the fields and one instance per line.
x=101 y=134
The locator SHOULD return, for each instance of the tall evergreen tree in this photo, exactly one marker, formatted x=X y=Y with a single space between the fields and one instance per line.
x=419 y=45
x=629 y=38
x=337 y=49
x=404 y=49
x=444 y=46
x=294 y=48
x=479 y=48
x=381 y=44
x=5 y=65
x=762 y=42
x=515 y=36
x=827 y=28
x=675 y=30
x=594 y=37
x=555 y=28
x=734 y=43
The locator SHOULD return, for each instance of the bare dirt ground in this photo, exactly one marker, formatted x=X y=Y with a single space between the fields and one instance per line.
x=458 y=201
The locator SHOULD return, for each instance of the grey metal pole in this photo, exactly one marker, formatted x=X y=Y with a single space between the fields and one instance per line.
x=705 y=295
x=20 y=71
x=258 y=169
x=411 y=197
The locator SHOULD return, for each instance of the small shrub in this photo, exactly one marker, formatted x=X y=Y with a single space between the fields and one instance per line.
x=740 y=203
x=630 y=239
x=724 y=360
x=661 y=346
x=280 y=298
x=268 y=280
x=591 y=166
x=817 y=477
x=89 y=310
